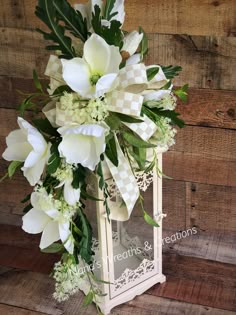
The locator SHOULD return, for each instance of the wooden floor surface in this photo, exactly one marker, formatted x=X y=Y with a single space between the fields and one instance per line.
x=195 y=285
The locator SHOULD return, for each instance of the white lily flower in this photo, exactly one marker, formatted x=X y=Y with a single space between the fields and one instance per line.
x=87 y=10
x=45 y=218
x=82 y=144
x=132 y=42
x=29 y=146
x=95 y=73
x=65 y=175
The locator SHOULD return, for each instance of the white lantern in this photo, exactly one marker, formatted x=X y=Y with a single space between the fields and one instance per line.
x=128 y=260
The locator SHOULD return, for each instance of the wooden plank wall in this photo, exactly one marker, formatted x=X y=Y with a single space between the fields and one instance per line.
x=199 y=36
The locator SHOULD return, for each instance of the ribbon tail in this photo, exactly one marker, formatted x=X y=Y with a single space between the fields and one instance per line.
x=126 y=184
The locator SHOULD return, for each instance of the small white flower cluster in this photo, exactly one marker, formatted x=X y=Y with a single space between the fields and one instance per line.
x=68 y=280
x=92 y=111
x=168 y=102
x=64 y=172
x=165 y=135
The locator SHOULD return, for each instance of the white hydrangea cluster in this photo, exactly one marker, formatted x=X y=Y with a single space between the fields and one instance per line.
x=165 y=134
x=92 y=111
x=64 y=172
x=168 y=102
x=68 y=280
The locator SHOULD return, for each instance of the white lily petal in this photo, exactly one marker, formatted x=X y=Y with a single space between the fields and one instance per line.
x=115 y=60
x=71 y=195
x=35 y=221
x=34 y=137
x=32 y=159
x=131 y=42
x=106 y=84
x=133 y=60
x=17 y=152
x=69 y=245
x=50 y=235
x=34 y=173
x=119 y=7
x=64 y=231
x=16 y=136
x=76 y=73
x=97 y=54
x=82 y=144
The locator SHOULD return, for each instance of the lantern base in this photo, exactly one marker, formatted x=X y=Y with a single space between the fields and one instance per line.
x=132 y=293
x=107 y=306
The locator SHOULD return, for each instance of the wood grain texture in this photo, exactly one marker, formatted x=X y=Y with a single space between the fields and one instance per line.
x=206 y=245
x=196 y=281
x=12 y=310
x=212 y=208
x=208 y=59
x=198 y=168
x=172 y=17
x=209 y=108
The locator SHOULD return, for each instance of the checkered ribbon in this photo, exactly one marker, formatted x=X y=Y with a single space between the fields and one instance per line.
x=127 y=185
x=54 y=68
x=133 y=78
x=145 y=129
x=125 y=103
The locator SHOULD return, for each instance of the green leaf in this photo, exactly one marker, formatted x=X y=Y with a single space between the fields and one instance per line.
x=108 y=8
x=47 y=13
x=13 y=167
x=150 y=220
x=111 y=151
x=85 y=195
x=173 y=115
x=113 y=121
x=182 y=93
x=37 y=82
x=127 y=118
x=27 y=198
x=54 y=160
x=139 y=154
x=112 y=34
x=53 y=248
x=171 y=71
x=88 y=299
x=151 y=72
x=74 y=21
x=25 y=104
x=44 y=125
x=79 y=176
x=136 y=141
x=61 y=90
x=144 y=43
x=85 y=241
x=27 y=208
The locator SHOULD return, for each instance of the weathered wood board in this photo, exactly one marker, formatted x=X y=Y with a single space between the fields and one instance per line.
x=208 y=58
x=172 y=17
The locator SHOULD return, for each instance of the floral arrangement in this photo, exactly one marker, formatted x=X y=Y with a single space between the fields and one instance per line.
x=104 y=109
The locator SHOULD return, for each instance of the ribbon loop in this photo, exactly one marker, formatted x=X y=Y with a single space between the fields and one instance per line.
x=133 y=78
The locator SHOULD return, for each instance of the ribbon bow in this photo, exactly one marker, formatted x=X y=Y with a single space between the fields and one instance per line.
x=126 y=99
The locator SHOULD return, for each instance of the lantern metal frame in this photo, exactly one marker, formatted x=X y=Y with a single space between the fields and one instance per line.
x=133 y=282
